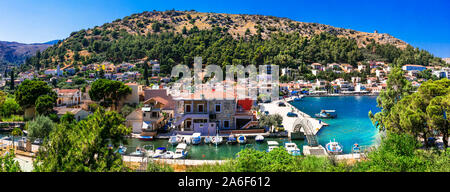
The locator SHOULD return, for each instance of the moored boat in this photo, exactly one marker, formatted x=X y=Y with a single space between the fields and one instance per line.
x=196 y=138
x=145 y=138
x=334 y=147
x=259 y=138
x=180 y=151
x=292 y=149
x=217 y=140
x=121 y=150
x=138 y=152
x=158 y=152
x=231 y=139
x=167 y=155
x=208 y=140
x=356 y=148
x=272 y=145
x=326 y=114
x=148 y=150
x=242 y=139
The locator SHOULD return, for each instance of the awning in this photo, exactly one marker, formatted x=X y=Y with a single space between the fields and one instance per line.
x=146 y=125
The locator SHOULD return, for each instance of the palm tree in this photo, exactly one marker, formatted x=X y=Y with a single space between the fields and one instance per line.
x=16 y=132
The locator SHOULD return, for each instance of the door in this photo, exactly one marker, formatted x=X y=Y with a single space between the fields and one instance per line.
x=188 y=125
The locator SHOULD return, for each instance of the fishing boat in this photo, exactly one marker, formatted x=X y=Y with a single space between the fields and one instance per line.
x=145 y=138
x=158 y=152
x=272 y=145
x=292 y=149
x=121 y=150
x=334 y=147
x=326 y=114
x=196 y=138
x=231 y=139
x=180 y=151
x=356 y=148
x=259 y=138
x=208 y=140
x=138 y=152
x=167 y=155
x=242 y=139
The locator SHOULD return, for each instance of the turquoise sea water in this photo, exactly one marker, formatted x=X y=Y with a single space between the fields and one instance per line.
x=352 y=124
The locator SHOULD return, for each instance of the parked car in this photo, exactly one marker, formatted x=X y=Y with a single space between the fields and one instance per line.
x=281 y=104
x=290 y=114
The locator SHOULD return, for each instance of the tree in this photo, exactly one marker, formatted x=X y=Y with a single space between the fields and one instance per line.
x=16 y=132
x=30 y=90
x=40 y=127
x=84 y=146
x=146 y=73
x=44 y=104
x=397 y=88
x=108 y=92
x=8 y=164
x=9 y=107
x=12 y=80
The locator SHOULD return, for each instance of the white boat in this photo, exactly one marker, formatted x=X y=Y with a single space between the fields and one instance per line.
x=217 y=140
x=148 y=150
x=242 y=139
x=180 y=151
x=158 y=152
x=167 y=155
x=187 y=140
x=231 y=139
x=138 y=152
x=208 y=140
x=196 y=138
x=272 y=145
x=175 y=139
x=334 y=147
x=292 y=149
x=259 y=138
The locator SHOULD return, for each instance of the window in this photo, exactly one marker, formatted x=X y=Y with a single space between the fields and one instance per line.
x=154 y=114
x=226 y=124
x=200 y=108
x=187 y=108
x=218 y=108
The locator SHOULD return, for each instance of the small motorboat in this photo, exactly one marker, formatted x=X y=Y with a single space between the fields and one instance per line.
x=180 y=151
x=259 y=138
x=272 y=145
x=159 y=152
x=167 y=155
x=326 y=114
x=334 y=147
x=208 y=140
x=149 y=150
x=356 y=148
x=145 y=138
x=138 y=152
x=122 y=150
x=187 y=140
x=196 y=138
x=292 y=149
x=242 y=139
x=175 y=139
x=231 y=139
x=217 y=140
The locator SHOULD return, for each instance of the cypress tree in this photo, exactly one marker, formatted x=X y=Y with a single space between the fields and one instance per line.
x=12 y=80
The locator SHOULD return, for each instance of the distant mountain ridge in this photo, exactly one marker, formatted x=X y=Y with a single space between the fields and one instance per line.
x=16 y=53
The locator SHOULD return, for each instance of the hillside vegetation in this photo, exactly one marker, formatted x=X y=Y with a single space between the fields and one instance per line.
x=175 y=37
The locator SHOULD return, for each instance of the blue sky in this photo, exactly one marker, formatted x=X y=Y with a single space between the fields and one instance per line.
x=423 y=24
